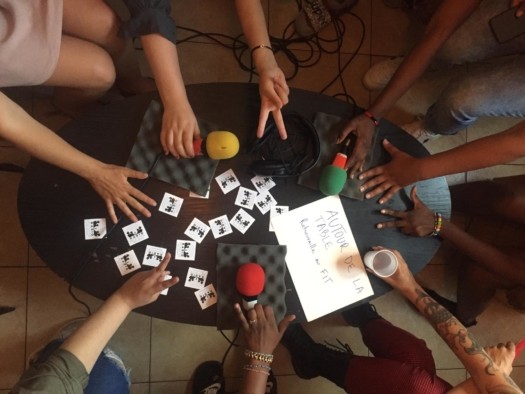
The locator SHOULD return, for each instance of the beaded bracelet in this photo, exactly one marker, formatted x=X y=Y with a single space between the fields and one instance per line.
x=260 y=366
x=265 y=358
x=259 y=47
x=438 y=222
x=248 y=368
x=371 y=117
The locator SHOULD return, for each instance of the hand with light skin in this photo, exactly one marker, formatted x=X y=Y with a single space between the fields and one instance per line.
x=402 y=279
x=179 y=129
x=264 y=334
x=274 y=92
x=521 y=7
x=111 y=183
x=419 y=222
x=364 y=129
x=400 y=171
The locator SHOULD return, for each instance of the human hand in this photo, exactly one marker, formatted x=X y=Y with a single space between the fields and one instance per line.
x=179 y=129
x=521 y=7
x=402 y=279
x=111 y=183
x=261 y=332
x=274 y=92
x=364 y=130
x=144 y=287
x=402 y=170
x=418 y=222
x=502 y=355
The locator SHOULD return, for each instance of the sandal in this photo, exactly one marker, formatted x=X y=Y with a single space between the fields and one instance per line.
x=316 y=14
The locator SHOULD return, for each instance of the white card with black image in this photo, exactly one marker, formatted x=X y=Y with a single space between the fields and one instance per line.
x=227 y=181
x=135 y=233
x=153 y=255
x=171 y=204
x=185 y=250
x=196 y=278
x=262 y=183
x=242 y=220
x=94 y=228
x=197 y=230
x=265 y=202
x=220 y=226
x=207 y=296
x=127 y=262
x=165 y=291
x=277 y=210
x=245 y=198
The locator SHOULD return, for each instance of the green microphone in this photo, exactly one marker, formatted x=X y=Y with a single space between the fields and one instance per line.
x=333 y=177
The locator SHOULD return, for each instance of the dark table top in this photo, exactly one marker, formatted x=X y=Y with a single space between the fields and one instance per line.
x=53 y=203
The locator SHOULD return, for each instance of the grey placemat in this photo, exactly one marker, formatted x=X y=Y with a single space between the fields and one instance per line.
x=328 y=127
x=192 y=174
x=229 y=257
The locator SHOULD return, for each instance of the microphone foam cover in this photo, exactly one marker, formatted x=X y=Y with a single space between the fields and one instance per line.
x=332 y=180
x=250 y=279
x=221 y=145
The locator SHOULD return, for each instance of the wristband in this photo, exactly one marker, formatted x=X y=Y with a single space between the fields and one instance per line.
x=371 y=117
x=265 y=358
x=259 y=47
x=438 y=222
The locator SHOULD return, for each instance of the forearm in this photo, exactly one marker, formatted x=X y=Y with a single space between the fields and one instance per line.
x=477 y=362
x=164 y=62
x=89 y=340
x=449 y=16
x=496 y=149
x=254 y=382
x=486 y=256
x=20 y=128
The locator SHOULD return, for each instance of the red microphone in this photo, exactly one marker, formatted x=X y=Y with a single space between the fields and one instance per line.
x=519 y=347
x=250 y=283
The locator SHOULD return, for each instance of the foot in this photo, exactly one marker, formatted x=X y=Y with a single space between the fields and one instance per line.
x=208 y=378
x=309 y=358
x=360 y=315
x=417 y=130
x=378 y=76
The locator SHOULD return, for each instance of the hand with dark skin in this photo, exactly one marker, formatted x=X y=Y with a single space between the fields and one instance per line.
x=364 y=130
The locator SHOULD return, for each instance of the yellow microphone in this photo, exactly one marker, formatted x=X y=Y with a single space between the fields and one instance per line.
x=217 y=145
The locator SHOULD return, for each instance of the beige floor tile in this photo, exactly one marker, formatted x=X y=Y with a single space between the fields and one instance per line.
x=495 y=172
x=518 y=375
x=140 y=388
x=12 y=325
x=34 y=259
x=14 y=246
x=170 y=387
x=453 y=376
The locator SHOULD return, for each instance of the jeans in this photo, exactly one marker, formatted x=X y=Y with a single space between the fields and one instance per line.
x=488 y=89
x=108 y=376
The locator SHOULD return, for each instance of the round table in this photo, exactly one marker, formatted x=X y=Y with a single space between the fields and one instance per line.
x=53 y=203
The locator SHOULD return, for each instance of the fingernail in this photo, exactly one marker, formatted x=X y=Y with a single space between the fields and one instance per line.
x=367 y=196
x=379 y=226
x=351 y=176
x=381 y=201
x=383 y=211
x=360 y=177
x=361 y=189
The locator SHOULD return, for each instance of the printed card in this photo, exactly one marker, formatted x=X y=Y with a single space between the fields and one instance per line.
x=207 y=296
x=265 y=202
x=165 y=291
x=195 y=195
x=242 y=220
x=262 y=183
x=171 y=204
x=135 y=233
x=94 y=228
x=153 y=255
x=245 y=198
x=220 y=226
x=227 y=181
x=185 y=250
x=196 y=278
x=127 y=262
x=197 y=230
x=277 y=210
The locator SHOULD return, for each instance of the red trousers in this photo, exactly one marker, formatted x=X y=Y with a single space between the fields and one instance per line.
x=402 y=364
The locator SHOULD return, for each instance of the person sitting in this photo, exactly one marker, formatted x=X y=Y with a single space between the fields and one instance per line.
x=402 y=363
x=487 y=268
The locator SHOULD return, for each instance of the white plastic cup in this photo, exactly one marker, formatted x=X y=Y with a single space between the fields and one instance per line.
x=383 y=262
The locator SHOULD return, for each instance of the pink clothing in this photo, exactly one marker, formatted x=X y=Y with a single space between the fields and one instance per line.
x=30 y=36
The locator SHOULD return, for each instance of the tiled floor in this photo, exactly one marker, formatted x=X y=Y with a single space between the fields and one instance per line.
x=164 y=354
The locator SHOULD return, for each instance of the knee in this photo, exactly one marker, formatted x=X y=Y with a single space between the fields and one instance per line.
x=102 y=74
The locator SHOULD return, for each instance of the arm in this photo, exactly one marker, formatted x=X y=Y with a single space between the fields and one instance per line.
x=420 y=222
x=403 y=169
x=262 y=335
x=273 y=88
x=109 y=181
x=486 y=374
x=447 y=18
x=143 y=288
